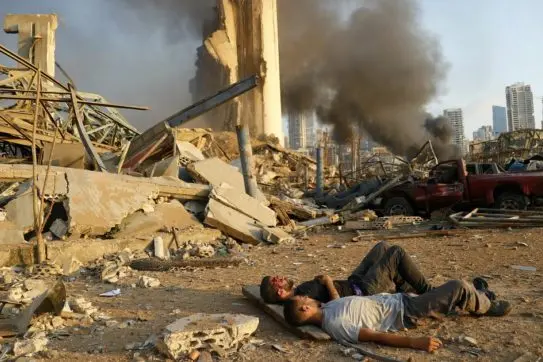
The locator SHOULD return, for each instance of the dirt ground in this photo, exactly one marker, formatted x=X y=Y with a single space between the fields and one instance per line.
x=490 y=253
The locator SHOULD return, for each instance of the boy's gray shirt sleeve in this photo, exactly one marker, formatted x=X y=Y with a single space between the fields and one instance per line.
x=343 y=331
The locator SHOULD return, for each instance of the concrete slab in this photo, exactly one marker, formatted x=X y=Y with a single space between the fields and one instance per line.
x=276 y=236
x=70 y=155
x=10 y=234
x=240 y=201
x=20 y=212
x=226 y=332
x=232 y=222
x=214 y=171
x=86 y=250
x=164 y=217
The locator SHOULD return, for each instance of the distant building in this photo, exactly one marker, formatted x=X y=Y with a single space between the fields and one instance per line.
x=456 y=120
x=483 y=134
x=310 y=131
x=499 y=119
x=297 y=131
x=520 y=107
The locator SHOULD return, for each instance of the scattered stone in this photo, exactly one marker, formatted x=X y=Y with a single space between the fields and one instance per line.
x=148 y=208
x=57 y=322
x=205 y=251
x=148 y=282
x=225 y=332
x=358 y=357
x=276 y=236
x=348 y=351
x=469 y=341
x=111 y=323
x=520 y=243
x=131 y=346
x=29 y=346
x=59 y=228
x=81 y=305
x=279 y=348
x=126 y=324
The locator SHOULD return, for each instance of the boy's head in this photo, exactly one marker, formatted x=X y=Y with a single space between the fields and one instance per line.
x=276 y=289
x=301 y=310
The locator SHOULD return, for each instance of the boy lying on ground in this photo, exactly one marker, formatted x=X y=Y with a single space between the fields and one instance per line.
x=384 y=269
x=367 y=319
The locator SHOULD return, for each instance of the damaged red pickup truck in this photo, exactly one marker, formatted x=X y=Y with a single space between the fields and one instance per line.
x=450 y=185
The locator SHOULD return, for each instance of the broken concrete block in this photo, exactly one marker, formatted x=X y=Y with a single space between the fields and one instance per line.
x=232 y=222
x=164 y=217
x=244 y=203
x=148 y=282
x=215 y=172
x=30 y=346
x=206 y=331
x=10 y=233
x=205 y=251
x=20 y=212
x=59 y=228
x=276 y=236
x=203 y=236
x=70 y=155
x=188 y=153
x=159 y=248
x=166 y=167
x=69 y=265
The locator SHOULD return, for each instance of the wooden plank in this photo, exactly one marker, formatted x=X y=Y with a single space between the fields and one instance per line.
x=252 y=292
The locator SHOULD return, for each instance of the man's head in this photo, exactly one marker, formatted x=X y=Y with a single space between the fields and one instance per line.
x=276 y=289
x=301 y=310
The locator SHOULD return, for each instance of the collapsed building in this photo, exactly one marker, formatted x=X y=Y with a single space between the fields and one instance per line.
x=521 y=144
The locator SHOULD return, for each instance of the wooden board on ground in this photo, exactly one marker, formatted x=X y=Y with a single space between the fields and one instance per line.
x=252 y=292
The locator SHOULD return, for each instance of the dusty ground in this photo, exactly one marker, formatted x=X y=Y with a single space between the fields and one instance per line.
x=481 y=252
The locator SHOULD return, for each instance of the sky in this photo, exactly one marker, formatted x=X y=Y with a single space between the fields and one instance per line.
x=488 y=44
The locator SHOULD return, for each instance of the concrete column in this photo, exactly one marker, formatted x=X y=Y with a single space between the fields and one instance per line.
x=36 y=41
x=272 y=121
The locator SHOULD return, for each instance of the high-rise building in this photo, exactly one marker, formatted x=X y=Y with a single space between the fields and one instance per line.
x=520 y=106
x=456 y=119
x=483 y=134
x=499 y=120
x=310 y=131
x=297 y=131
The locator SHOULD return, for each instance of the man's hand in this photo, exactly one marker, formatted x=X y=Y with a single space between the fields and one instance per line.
x=323 y=279
x=428 y=344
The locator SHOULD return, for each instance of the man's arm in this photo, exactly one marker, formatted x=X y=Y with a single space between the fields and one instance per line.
x=329 y=284
x=428 y=344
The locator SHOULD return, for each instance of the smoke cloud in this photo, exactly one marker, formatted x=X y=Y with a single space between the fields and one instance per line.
x=376 y=71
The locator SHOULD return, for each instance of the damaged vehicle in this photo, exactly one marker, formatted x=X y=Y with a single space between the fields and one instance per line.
x=450 y=185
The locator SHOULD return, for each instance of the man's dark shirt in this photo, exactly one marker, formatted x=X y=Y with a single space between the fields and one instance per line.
x=317 y=291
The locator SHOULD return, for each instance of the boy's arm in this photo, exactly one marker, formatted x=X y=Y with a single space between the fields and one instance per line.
x=428 y=344
x=329 y=284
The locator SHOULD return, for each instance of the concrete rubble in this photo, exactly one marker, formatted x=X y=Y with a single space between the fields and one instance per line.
x=222 y=333
x=148 y=282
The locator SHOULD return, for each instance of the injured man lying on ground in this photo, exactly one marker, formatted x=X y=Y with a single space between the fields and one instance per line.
x=369 y=318
x=385 y=269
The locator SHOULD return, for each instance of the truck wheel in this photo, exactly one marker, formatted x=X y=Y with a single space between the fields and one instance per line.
x=511 y=201
x=398 y=206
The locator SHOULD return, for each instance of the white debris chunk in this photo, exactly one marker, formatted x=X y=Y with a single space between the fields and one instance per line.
x=148 y=282
x=206 y=331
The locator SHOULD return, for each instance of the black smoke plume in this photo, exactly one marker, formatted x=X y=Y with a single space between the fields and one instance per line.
x=376 y=70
